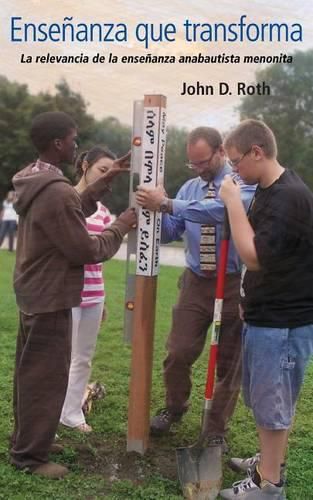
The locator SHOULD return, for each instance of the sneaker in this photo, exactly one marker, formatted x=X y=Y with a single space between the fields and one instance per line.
x=50 y=470
x=248 y=490
x=218 y=441
x=243 y=464
x=161 y=423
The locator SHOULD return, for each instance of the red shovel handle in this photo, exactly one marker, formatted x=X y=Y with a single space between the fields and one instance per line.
x=211 y=372
x=218 y=305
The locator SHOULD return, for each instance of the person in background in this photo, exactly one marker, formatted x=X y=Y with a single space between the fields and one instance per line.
x=87 y=317
x=8 y=220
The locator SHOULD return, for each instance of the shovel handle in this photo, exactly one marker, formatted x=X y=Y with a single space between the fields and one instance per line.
x=222 y=264
x=218 y=306
x=211 y=372
x=226 y=227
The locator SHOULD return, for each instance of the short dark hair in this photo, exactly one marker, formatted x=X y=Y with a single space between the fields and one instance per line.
x=210 y=135
x=48 y=126
x=92 y=156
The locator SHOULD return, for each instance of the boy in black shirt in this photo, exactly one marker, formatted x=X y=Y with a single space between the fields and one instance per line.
x=275 y=242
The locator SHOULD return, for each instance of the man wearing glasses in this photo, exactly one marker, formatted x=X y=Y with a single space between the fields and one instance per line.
x=197 y=212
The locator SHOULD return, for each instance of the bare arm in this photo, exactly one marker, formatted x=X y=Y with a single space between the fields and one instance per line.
x=241 y=229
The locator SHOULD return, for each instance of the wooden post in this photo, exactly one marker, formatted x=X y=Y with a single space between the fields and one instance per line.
x=147 y=266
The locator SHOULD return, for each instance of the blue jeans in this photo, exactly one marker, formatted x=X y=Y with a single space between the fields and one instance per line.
x=274 y=362
x=8 y=228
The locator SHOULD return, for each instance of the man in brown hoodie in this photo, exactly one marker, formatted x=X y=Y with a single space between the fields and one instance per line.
x=52 y=246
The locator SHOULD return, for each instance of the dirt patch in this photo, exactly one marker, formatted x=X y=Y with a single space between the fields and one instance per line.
x=109 y=458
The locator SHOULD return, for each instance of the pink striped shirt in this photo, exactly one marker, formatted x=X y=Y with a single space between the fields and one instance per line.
x=93 y=291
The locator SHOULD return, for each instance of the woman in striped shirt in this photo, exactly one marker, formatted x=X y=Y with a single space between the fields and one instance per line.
x=87 y=318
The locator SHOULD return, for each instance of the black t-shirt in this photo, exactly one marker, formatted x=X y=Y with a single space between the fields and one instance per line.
x=281 y=294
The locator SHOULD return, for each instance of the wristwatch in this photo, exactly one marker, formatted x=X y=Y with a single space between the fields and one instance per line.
x=164 y=205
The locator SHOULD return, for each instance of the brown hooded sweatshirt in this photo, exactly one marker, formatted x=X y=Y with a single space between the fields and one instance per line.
x=53 y=243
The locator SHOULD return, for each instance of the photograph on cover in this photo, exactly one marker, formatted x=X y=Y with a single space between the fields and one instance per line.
x=156 y=237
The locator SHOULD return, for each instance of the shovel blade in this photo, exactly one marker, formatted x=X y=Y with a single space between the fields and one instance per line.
x=200 y=471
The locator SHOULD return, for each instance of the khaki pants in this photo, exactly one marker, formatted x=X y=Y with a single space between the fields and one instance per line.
x=43 y=353
x=192 y=316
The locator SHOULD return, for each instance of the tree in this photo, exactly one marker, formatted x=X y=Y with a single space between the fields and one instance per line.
x=18 y=107
x=117 y=137
x=288 y=111
x=15 y=113
x=176 y=172
x=71 y=102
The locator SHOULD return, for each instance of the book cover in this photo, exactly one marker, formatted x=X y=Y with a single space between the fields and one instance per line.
x=215 y=63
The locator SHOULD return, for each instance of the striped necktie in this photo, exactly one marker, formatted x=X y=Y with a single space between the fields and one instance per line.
x=208 y=240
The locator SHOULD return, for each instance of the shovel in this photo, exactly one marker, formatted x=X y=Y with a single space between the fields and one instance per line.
x=200 y=466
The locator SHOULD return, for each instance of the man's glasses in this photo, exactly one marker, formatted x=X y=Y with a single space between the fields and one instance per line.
x=201 y=163
x=234 y=163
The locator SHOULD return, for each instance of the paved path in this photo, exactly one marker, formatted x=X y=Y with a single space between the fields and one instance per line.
x=169 y=256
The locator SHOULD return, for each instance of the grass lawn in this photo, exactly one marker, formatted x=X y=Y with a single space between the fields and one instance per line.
x=100 y=467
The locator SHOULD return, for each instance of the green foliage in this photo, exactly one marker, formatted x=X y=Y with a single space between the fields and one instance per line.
x=117 y=137
x=18 y=107
x=87 y=479
x=176 y=173
x=157 y=489
x=15 y=115
x=288 y=111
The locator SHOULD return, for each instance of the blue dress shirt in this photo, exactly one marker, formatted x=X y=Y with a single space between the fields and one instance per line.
x=190 y=210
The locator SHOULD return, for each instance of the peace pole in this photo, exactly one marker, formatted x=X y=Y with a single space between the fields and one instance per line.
x=148 y=155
